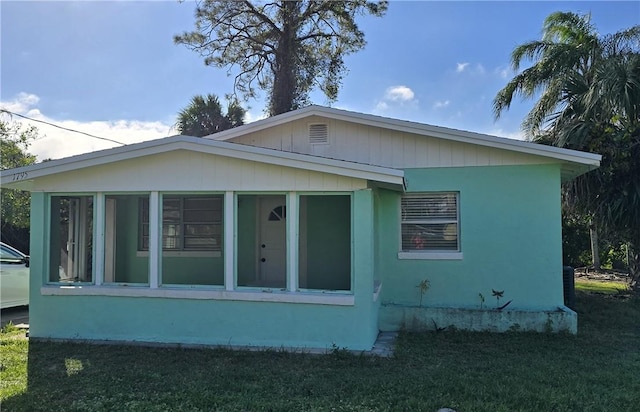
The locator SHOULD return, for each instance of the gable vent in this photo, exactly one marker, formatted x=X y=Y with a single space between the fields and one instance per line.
x=318 y=133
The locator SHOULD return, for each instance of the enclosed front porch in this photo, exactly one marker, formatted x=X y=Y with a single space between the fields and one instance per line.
x=189 y=240
x=261 y=269
x=185 y=239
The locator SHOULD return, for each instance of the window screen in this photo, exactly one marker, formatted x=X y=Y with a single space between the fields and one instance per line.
x=430 y=222
x=188 y=223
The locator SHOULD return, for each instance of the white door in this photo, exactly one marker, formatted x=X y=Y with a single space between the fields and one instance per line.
x=272 y=245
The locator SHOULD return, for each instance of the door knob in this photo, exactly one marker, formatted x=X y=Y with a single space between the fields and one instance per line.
x=264 y=246
x=263 y=260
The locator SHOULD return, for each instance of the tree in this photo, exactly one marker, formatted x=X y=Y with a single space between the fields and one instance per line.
x=284 y=47
x=589 y=99
x=203 y=116
x=15 y=204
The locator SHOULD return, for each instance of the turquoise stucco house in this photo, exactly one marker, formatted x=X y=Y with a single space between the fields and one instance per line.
x=308 y=229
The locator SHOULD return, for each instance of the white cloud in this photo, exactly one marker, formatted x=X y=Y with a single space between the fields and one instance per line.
x=460 y=67
x=381 y=106
x=22 y=103
x=251 y=116
x=55 y=143
x=396 y=97
x=467 y=67
x=503 y=72
x=516 y=135
x=441 y=104
x=399 y=93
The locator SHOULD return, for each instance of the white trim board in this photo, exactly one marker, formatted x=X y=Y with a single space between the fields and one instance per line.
x=20 y=178
x=317 y=298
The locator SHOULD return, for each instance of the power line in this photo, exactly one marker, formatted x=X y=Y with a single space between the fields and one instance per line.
x=61 y=127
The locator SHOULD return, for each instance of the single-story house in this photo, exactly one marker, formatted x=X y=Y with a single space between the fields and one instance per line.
x=314 y=228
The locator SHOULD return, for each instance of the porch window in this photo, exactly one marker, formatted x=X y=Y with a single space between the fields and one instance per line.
x=325 y=242
x=71 y=239
x=122 y=216
x=189 y=223
x=430 y=222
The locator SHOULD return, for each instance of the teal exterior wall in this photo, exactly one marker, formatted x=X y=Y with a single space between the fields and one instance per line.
x=363 y=263
x=510 y=237
x=39 y=262
x=510 y=234
x=209 y=321
x=226 y=323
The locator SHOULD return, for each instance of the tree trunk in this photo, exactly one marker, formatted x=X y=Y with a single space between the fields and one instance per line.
x=595 y=250
x=284 y=74
x=633 y=261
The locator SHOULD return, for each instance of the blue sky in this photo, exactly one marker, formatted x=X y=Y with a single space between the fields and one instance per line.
x=111 y=68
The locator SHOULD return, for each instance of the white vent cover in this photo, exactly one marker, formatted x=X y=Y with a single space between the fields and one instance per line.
x=318 y=133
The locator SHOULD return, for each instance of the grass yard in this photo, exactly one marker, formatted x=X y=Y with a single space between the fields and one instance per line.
x=598 y=286
x=598 y=370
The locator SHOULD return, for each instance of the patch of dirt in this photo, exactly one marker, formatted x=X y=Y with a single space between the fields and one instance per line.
x=602 y=275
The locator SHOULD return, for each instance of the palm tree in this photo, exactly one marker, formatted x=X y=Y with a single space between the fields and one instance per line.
x=588 y=91
x=568 y=58
x=203 y=116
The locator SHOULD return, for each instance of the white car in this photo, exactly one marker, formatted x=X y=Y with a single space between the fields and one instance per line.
x=14 y=277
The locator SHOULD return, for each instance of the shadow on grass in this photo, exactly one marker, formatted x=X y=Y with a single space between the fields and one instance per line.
x=595 y=370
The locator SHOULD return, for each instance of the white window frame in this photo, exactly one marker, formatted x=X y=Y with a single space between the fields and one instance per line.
x=183 y=251
x=229 y=292
x=432 y=254
x=94 y=234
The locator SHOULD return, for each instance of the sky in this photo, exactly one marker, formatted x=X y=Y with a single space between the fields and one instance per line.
x=111 y=68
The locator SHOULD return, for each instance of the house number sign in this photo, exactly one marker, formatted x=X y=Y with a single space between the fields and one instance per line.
x=20 y=176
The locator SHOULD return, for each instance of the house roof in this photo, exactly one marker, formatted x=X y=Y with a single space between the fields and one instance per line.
x=575 y=162
x=21 y=178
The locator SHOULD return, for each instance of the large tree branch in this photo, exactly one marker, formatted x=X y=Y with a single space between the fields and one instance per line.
x=261 y=16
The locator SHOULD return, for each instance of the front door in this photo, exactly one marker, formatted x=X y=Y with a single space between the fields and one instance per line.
x=272 y=244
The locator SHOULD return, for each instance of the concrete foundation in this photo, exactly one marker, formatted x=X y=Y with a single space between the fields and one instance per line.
x=396 y=317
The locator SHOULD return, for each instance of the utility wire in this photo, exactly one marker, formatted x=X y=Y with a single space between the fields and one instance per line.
x=61 y=127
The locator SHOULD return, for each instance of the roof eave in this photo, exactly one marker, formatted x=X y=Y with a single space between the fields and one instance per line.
x=22 y=178
x=415 y=128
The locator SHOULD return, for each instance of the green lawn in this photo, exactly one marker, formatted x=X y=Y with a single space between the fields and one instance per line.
x=598 y=370
x=587 y=285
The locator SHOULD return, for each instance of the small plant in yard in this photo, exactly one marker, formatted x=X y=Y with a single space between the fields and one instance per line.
x=340 y=352
x=424 y=286
x=498 y=295
x=481 y=300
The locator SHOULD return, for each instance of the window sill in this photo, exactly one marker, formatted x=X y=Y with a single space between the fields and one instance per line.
x=184 y=253
x=317 y=298
x=430 y=255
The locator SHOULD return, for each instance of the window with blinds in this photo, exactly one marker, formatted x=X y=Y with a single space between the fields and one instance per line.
x=430 y=222
x=188 y=223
